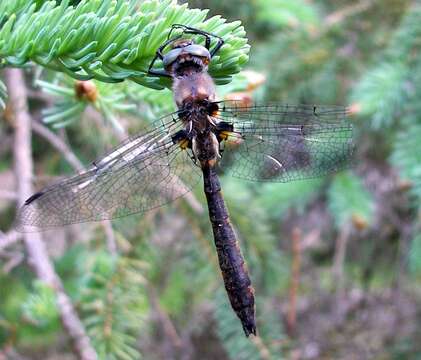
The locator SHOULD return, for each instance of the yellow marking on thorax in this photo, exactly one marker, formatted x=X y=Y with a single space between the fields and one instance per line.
x=224 y=134
x=231 y=137
x=183 y=144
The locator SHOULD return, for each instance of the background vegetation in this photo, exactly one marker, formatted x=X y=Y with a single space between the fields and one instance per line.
x=336 y=261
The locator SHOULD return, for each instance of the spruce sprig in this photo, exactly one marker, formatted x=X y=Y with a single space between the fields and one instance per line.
x=114 y=305
x=110 y=40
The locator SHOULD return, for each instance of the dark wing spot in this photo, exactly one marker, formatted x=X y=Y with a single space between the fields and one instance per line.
x=34 y=197
x=212 y=108
x=224 y=126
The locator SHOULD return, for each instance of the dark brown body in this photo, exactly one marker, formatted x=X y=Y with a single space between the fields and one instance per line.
x=193 y=90
x=231 y=261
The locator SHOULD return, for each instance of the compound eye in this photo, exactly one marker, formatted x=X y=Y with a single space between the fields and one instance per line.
x=197 y=50
x=171 y=56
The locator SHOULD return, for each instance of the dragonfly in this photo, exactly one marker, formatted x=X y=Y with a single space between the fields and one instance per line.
x=259 y=142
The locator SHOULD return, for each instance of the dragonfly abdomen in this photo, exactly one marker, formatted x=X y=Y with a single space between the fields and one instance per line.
x=234 y=272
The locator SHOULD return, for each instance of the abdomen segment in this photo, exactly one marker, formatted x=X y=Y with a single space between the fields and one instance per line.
x=234 y=272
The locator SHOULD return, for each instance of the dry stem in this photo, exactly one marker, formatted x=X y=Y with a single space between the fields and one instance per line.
x=35 y=247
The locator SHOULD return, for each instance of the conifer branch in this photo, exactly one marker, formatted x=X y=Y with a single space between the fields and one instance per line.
x=109 y=40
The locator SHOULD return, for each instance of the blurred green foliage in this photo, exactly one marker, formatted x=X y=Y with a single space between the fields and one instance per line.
x=363 y=54
x=113 y=304
x=40 y=307
x=347 y=198
x=415 y=256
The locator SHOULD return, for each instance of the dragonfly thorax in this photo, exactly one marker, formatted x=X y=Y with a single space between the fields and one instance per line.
x=194 y=94
x=193 y=88
x=187 y=64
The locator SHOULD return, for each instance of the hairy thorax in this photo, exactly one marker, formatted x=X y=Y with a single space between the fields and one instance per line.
x=193 y=87
x=192 y=90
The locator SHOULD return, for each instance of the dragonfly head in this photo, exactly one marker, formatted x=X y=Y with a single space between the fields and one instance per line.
x=186 y=57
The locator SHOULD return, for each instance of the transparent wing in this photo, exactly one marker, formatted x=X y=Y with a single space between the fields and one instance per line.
x=282 y=143
x=143 y=172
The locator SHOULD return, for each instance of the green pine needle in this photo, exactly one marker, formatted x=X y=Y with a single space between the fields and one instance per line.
x=406 y=156
x=231 y=334
x=385 y=92
x=415 y=256
x=114 y=305
x=109 y=40
x=40 y=308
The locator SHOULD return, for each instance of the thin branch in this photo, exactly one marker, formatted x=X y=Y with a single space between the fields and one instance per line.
x=339 y=258
x=346 y=12
x=13 y=259
x=110 y=237
x=40 y=96
x=295 y=280
x=174 y=343
x=261 y=347
x=9 y=239
x=194 y=203
x=58 y=144
x=36 y=249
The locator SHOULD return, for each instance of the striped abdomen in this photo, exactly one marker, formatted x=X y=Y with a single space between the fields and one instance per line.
x=236 y=279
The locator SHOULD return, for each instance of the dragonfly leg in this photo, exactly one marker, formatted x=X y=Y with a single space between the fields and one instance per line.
x=186 y=30
x=221 y=148
x=194 y=159
x=190 y=126
x=154 y=72
x=208 y=37
x=159 y=55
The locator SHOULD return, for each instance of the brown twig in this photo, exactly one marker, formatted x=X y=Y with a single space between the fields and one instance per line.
x=295 y=280
x=348 y=11
x=9 y=239
x=174 y=343
x=58 y=144
x=35 y=247
x=339 y=257
x=13 y=259
x=261 y=347
x=110 y=237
